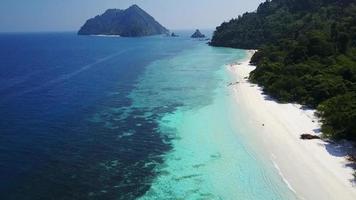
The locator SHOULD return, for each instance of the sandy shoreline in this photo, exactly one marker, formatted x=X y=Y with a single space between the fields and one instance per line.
x=312 y=169
x=110 y=36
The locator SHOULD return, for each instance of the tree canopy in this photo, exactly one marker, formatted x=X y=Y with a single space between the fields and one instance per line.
x=306 y=54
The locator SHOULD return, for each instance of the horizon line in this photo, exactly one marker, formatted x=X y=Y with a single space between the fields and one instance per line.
x=73 y=31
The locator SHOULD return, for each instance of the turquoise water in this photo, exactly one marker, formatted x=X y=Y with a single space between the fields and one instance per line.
x=210 y=158
x=125 y=118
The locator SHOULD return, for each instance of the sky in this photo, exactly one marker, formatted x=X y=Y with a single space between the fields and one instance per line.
x=70 y=15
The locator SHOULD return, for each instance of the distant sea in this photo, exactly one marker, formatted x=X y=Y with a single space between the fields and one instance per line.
x=85 y=117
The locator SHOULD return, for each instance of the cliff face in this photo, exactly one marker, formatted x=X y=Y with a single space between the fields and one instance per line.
x=132 y=22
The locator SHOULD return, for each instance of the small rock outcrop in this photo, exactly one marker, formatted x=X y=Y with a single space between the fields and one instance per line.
x=174 y=35
x=198 y=34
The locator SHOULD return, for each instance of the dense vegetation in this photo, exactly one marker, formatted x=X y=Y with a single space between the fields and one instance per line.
x=306 y=54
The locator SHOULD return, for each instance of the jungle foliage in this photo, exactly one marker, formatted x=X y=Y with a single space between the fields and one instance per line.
x=306 y=54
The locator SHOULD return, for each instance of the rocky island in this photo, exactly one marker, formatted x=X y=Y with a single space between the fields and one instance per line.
x=198 y=34
x=174 y=35
x=132 y=22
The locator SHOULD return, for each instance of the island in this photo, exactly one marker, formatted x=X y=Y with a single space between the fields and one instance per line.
x=198 y=34
x=132 y=22
x=303 y=64
x=174 y=35
x=300 y=62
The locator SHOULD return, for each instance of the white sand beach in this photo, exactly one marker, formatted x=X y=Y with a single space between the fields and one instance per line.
x=100 y=35
x=313 y=169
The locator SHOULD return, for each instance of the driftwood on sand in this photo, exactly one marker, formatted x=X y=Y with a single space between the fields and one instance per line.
x=306 y=136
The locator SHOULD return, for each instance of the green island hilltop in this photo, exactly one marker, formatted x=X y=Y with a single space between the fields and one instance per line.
x=306 y=54
x=132 y=22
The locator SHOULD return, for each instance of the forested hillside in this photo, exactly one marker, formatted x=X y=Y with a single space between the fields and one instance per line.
x=132 y=22
x=306 y=54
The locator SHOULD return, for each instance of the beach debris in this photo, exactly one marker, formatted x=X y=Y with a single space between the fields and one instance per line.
x=307 y=136
x=351 y=158
x=231 y=84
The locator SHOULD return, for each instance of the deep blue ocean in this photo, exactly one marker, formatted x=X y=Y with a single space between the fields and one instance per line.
x=51 y=85
x=88 y=117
